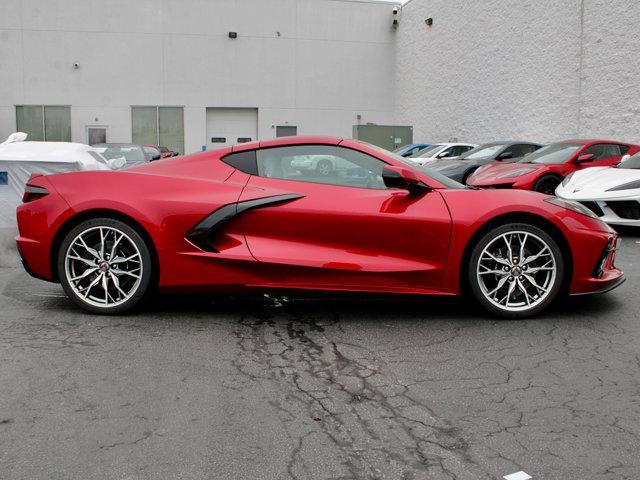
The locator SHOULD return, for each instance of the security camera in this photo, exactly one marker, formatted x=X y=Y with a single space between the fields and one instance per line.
x=396 y=10
x=76 y=65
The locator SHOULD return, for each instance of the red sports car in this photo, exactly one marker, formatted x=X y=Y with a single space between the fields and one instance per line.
x=544 y=169
x=246 y=217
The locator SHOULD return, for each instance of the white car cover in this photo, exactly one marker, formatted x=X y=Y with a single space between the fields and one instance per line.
x=20 y=159
x=612 y=193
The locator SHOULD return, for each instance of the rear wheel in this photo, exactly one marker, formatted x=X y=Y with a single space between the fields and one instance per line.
x=105 y=266
x=516 y=270
x=547 y=184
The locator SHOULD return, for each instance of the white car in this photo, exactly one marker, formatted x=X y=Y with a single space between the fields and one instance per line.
x=20 y=159
x=612 y=193
x=441 y=150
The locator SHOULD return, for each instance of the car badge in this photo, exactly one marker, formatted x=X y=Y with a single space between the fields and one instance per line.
x=576 y=190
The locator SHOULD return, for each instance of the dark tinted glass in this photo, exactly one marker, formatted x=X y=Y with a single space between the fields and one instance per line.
x=243 y=161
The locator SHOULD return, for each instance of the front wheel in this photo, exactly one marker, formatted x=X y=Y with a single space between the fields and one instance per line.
x=547 y=184
x=516 y=270
x=105 y=266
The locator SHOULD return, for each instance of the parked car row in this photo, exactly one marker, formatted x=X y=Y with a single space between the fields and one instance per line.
x=602 y=175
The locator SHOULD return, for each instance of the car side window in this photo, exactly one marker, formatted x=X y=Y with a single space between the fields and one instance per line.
x=463 y=149
x=521 y=149
x=326 y=164
x=602 y=151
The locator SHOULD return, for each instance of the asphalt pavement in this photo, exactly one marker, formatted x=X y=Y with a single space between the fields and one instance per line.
x=340 y=387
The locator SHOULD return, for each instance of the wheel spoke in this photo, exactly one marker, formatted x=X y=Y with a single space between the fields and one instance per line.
x=115 y=245
x=522 y=242
x=116 y=283
x=83 y=260
x=501 y=261
x=84 y=274
x=125 y=272
x=91 y=285
x=92 y=251
x=523 y=290
x=501 y=283
x=131 y=258
x=508 y=242
x=545 y=251
x=533 y=282
x=105 y=287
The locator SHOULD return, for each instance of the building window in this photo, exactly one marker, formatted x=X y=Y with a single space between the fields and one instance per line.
x=286 y=131
x=44 y=122
x=161 y=126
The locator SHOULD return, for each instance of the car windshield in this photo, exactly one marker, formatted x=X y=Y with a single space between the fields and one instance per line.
x=131 y=153
x=481 y=152
x=631 y=162
x=446 y=181
x=429 y=151
x=553 y=154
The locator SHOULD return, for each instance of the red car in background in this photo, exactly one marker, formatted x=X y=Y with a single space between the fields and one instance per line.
x=544 y=169
x=245 y=218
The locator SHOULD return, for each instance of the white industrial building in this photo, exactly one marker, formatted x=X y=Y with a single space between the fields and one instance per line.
x=205 y=73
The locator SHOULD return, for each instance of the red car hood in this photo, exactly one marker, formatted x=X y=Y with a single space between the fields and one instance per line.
x=494 y=172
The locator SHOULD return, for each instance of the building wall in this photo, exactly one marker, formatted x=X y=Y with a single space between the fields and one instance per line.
x=541 y=70
x=316 y=64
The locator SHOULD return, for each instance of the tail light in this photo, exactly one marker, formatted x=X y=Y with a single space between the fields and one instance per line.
x=32 y=193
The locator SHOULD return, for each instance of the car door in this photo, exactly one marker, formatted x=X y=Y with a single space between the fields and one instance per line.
x=605 y=154
x=345 y=230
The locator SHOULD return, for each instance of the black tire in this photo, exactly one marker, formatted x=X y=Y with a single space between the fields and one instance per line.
x=466 y=175
x=547 y=184
x=553 y=288
x=138 y=292
x=324 y=168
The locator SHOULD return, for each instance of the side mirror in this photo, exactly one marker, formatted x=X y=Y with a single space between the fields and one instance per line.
x=625 y=158
x=587 y=157
x=398 y=177
x=116 y=163
x=504 y=156
x=444 y=155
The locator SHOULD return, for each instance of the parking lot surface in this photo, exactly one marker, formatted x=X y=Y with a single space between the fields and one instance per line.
x=358 y=386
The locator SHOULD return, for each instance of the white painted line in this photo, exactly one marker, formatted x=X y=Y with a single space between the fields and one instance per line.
x=517 y=476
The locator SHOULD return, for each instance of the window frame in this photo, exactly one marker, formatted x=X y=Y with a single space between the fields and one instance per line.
x=44 y=122
x=157 y=123
x=257 y=170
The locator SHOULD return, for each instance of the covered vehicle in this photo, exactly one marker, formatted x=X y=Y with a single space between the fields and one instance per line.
x=544 y=169
x=440 y=150
x=242 y=219
x=461 y=168
x=20 y=159
x=612 y=193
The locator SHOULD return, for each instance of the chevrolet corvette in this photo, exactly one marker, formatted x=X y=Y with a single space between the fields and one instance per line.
x=543 y=170
x=242 y=218
x=612 y=193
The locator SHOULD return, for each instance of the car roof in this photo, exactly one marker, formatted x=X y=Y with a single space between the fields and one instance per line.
x=43 y=151
x=582 y=141
x=116 y=145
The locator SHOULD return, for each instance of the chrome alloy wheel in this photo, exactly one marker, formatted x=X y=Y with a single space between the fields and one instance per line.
x=516 y=271
x=103 y=266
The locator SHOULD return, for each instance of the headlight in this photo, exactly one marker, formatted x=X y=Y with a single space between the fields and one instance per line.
x=567 y=179
x=571 y=205
x=518 y=173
